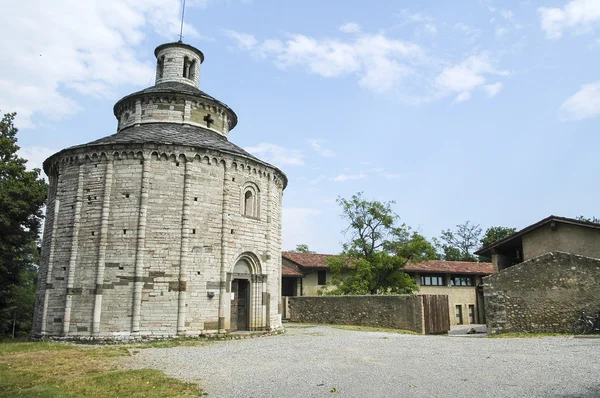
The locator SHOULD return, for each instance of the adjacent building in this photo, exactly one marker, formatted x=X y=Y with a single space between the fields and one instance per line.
x=548 y=273
x=307 y=274
x=460 y=280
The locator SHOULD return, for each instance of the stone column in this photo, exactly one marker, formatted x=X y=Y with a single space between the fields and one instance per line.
x=108 y=178
x=49 y=267
x=138 y=112
x=223 y=301
x=183 y=255
x=74 y=251
x=269 y=221
x=139 y=250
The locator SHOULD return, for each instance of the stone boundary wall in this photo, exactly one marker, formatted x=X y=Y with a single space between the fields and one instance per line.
x=395 y=312
x=544 y=294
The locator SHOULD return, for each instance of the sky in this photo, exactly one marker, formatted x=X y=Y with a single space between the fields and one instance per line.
x=479 y=110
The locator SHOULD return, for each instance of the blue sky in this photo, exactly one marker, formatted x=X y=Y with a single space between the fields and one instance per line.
x=478 y=110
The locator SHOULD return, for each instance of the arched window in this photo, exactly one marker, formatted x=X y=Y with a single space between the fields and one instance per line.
x=250 y=201
x=249 y=204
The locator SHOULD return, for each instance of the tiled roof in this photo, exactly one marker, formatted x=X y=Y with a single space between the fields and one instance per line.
x=171 y=134
x=308 y=260
x=289 y=271
x=452 y=267
x=168 y=134
x=178 y=88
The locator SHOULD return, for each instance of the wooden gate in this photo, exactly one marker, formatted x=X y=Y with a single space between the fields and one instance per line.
x=436 y=313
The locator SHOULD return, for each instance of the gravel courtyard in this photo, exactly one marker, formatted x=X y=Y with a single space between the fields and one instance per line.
x=321 y=361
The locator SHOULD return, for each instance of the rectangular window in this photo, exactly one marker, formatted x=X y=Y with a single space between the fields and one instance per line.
x=471 y=313
x=456 y=280
x=459 y=315
x=322 y=277
x=432 y=280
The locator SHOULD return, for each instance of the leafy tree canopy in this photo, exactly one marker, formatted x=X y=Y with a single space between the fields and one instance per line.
x=378 y=249
x=494 y=234
x=459 y=245
x=303 y=248
x=22 y=197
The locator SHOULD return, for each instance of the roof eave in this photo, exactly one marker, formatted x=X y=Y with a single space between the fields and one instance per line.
x=486 y=251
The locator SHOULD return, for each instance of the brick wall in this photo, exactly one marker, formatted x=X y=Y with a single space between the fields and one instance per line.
x=396 y=312
x=544 y=294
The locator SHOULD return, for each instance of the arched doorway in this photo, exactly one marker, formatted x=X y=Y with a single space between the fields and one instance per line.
x=240 y=296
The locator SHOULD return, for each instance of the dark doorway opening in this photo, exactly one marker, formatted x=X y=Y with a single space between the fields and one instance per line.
x=240 y=305
x=480 y=305
x=288 y=286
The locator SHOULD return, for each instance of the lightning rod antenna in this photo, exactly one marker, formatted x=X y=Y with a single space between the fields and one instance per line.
x=182 y=15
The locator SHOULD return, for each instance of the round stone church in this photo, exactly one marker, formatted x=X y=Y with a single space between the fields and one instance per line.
x=165 y=228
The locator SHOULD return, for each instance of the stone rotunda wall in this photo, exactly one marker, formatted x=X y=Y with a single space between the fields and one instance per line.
x=144 y=238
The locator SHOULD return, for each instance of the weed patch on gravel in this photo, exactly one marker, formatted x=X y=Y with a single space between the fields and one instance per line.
x=372 y=329
x=526 y=335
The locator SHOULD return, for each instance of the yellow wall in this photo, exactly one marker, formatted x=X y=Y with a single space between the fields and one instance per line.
x=310 y=286
x=457 y=295
x=566 y=238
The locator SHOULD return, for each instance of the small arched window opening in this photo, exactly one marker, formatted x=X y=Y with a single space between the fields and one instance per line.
x=192 y=72
x=249 y=203
x=187 y=67
x=161 y=66
x=250 y=200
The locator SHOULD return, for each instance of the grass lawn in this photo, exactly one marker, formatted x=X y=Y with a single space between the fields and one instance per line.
x=48 y=369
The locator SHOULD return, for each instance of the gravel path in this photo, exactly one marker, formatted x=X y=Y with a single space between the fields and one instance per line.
x=321 y=361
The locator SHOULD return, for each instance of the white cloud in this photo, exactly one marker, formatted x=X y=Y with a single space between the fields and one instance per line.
x=469 y=31
x=298 y=227
x=465 y=77
x=277 y=155
x=501 y=32
x=461 y=97
x=379 y=62
x=392 y=176
x=493 y=89
x=507 y=14
x=424 y=21
x=85 y=46
x=244 y=41
x=35 y=156
x=579 y=15
x=347 y=177
x=316 y=144
x=350 y=27
x=583 y=104
x=430 y=28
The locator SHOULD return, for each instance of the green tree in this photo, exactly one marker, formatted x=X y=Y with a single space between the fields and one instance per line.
x=22 y=197
x=494 y=234
x=588 y=219
x=459 y=244
x=303 y=248
x=378 y=249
